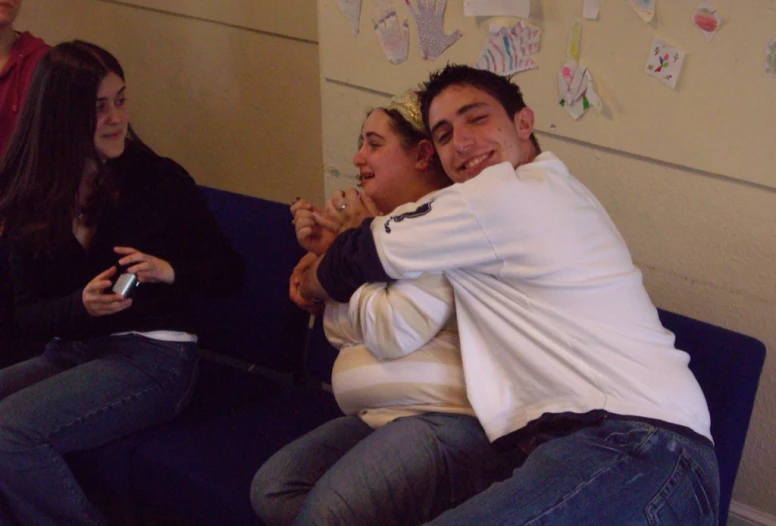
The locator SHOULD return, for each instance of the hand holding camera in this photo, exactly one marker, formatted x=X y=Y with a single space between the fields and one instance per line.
x=99 y=300
x=147 y=268
x=107 y=294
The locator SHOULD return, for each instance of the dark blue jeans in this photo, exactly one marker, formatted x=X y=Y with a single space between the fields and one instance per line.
x=80 y=395
x=404 y=473
x=614 y=472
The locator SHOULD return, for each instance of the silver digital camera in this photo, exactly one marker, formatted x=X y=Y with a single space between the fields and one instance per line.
x=126 y=284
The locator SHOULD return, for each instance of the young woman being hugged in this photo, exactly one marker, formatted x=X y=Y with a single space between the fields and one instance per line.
x=83 y=200
x=410 y=428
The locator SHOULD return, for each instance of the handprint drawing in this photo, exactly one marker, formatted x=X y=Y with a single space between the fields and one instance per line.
x=428 y=17
x=393 y=37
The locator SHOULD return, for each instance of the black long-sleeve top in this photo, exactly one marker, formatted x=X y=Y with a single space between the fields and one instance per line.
x=160 y=212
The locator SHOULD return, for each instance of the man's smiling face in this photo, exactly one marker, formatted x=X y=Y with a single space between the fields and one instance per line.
x=471 y=131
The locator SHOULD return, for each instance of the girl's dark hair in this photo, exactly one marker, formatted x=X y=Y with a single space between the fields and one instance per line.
x=52 y=145
x=409 y=135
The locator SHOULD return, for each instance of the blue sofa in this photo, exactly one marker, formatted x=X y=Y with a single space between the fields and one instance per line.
x=263 y=377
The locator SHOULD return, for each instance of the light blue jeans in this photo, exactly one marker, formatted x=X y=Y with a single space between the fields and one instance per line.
x=80 y=395
x=614 y=472
x=404 y=473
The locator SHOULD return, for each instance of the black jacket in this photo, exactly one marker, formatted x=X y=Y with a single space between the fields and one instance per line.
x=160 y=212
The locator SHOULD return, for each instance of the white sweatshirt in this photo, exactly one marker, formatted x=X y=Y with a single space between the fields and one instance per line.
x=552 y=313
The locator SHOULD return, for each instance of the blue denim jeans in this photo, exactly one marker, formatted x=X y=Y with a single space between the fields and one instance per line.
x=406 y=472
x=80 y=395
x=613 y=472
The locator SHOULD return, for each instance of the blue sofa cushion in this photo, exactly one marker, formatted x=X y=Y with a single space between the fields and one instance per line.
x=727 y=366
x=261 y=325
x=202 y=473
x=220 y=390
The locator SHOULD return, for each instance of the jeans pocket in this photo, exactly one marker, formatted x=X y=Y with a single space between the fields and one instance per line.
x=176 y=364
x=686 y=499
x=189 y=392
x=172 y=365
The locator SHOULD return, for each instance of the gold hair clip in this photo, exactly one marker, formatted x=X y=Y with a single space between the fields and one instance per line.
x=408 y=106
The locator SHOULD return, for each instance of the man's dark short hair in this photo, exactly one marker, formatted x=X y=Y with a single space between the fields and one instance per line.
x=501 y=88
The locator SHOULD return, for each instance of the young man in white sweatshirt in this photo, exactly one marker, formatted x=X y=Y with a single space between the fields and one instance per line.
x=564 y=356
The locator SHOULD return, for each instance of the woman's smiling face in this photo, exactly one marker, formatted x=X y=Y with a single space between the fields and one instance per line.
x=387 y=170
x=112 y=117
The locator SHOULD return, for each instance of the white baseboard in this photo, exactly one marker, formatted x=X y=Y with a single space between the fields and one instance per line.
x=743 y=515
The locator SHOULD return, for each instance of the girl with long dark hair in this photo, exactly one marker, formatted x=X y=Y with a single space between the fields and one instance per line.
x=83 y=200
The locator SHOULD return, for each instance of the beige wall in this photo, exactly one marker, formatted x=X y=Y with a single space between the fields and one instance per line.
x=238 y=108
x=706 y=243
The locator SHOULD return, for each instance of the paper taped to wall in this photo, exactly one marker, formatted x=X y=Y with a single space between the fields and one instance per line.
x=518 y=8
x=394 y=37
x=508 y=51
x=429 y=18
x=664 y=62
x=352 y=11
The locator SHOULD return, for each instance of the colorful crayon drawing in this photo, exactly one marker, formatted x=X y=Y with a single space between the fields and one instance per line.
x=507 y=50
x=664 y=63
x=707 y=19
x=575 y=89
x=394 y=37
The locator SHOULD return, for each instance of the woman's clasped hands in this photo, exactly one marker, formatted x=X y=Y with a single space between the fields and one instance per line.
x=316 y=228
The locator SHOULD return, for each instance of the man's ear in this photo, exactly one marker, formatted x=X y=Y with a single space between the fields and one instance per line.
x=524 y=123
x=425 y=154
